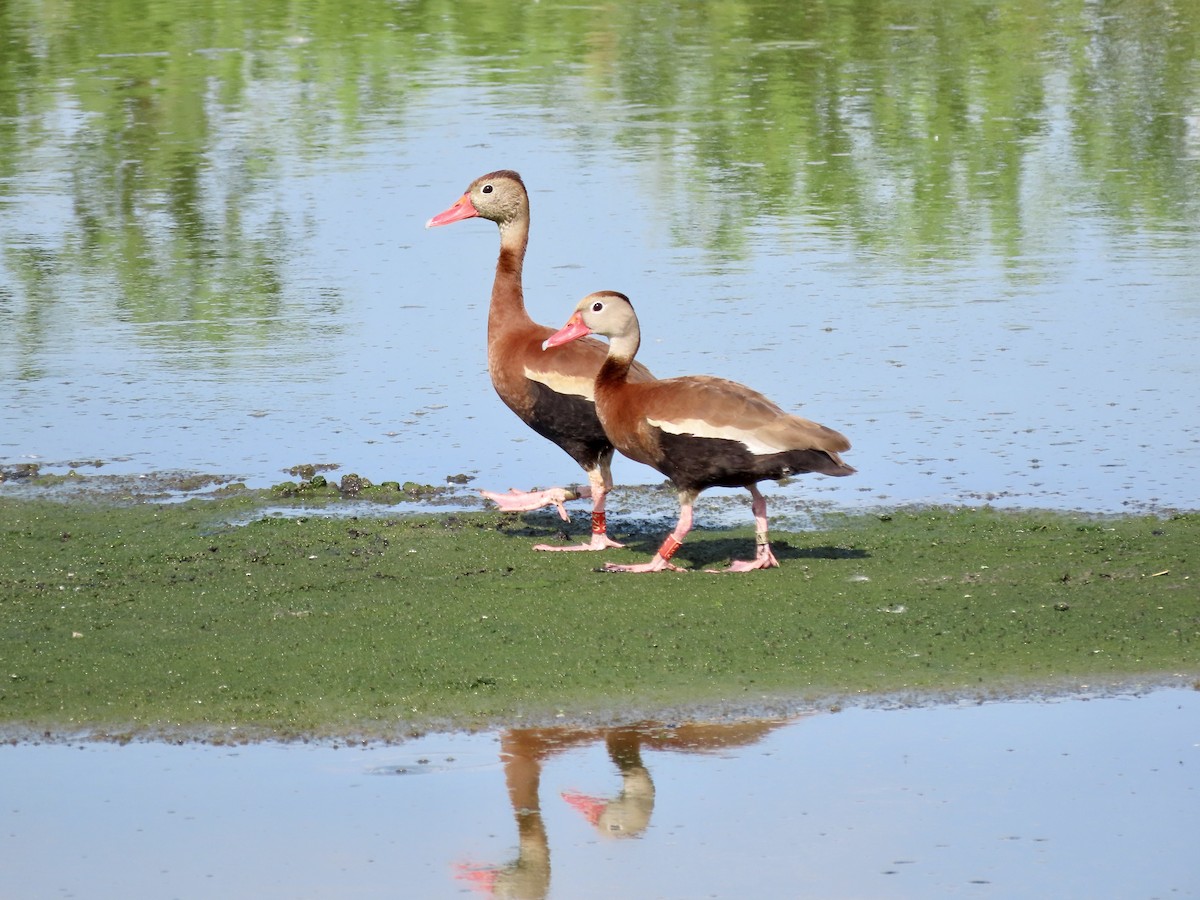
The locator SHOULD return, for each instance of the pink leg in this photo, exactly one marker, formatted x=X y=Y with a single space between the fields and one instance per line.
x=763 y=558
x=599 y=484
x=662 y=559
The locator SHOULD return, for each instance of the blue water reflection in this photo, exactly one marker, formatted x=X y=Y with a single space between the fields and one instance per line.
x=964 y=237
x=1070 y=388
x=1086 y=796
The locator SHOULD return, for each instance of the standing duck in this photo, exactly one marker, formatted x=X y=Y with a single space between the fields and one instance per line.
x=699 y=431
x=551 y=392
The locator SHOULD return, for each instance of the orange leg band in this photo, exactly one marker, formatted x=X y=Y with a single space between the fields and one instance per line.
x=599 y=525
x=669 y=546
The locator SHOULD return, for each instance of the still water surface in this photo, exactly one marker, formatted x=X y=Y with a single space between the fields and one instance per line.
x=1081 y=797
x=968 y=239
x=966 y=235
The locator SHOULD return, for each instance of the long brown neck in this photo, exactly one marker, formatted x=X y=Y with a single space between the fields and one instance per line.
x=614 y=372
x=508 y=300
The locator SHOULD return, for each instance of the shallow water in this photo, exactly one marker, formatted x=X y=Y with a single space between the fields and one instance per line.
x=1085 y=796
x=966 y=236
x=982 y=269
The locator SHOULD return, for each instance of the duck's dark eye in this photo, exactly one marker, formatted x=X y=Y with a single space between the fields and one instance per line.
x=487 y=188
x=597 y=306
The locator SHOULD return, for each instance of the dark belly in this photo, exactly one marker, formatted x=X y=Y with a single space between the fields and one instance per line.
x=568 y=420
x=697 y=463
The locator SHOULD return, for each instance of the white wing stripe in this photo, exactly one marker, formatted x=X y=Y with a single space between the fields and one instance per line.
x=564 y=384
x=700 y=428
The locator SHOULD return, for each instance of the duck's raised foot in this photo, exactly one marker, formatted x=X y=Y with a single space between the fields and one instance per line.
x=526 y=501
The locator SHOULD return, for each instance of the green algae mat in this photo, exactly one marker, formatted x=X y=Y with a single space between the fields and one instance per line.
x=210 y=618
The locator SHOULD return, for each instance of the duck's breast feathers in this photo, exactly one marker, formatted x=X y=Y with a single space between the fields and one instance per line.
x=709 y=407
x=568 y=369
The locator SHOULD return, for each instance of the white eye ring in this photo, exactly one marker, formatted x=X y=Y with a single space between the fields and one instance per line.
x=487 y=188
x=597 y=306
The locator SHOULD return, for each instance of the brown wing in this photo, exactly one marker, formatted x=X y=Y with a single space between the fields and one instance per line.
x=710 y=407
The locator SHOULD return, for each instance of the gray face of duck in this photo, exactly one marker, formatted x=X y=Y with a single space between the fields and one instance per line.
x=498 y=196
x=606 y=313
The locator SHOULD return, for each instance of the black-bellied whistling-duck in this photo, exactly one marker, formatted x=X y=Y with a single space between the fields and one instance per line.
x=697 y=430
x=551 y=392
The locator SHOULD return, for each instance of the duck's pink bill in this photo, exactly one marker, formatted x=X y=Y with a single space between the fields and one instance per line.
x=573 y=330
x=463 y=209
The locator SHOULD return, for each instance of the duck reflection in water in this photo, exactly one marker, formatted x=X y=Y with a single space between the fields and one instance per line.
x=627 y=814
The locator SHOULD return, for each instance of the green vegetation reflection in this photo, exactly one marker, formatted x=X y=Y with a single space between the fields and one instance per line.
x=908 y=126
